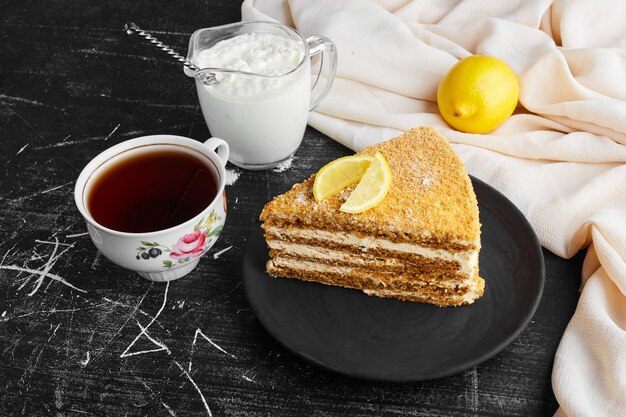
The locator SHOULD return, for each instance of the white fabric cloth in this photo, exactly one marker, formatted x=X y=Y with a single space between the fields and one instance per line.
x=560 y=158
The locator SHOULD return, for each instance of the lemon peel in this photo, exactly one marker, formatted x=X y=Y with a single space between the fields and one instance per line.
x=478 y=94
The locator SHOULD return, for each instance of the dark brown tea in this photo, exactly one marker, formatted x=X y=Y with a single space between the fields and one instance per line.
x=150 y=191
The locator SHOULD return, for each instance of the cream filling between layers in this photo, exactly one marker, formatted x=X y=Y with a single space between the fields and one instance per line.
x=312 y=266
x=469 y=297
x=467 y=260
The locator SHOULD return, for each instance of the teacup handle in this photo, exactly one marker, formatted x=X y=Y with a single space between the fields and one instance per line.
x=220 y=147
x=328 y=66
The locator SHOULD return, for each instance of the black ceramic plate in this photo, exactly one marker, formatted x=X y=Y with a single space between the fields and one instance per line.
x=383 y=339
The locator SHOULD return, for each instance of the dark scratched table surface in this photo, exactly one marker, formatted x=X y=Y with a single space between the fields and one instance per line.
x=81 y=336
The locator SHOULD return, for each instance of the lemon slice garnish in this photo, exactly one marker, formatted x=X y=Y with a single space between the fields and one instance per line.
x=372 y=188
x=339 y=174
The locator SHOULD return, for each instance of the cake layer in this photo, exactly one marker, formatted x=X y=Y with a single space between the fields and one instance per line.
x=377 y=284
x=449 y=301
x=466 y=261
x=430 y=201
x=379 y=278
x=436 y=270
x=450 y=246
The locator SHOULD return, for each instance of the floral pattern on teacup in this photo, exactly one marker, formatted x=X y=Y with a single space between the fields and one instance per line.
x=188 y=246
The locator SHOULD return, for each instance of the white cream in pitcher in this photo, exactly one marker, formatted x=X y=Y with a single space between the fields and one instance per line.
x=262 y=118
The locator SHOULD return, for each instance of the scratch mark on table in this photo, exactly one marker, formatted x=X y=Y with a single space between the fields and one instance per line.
x=77 y=235
x=82 y=30
x=67 y=161
x=217 y=254
x=161 y=345
x=58 y=393
x=27 y=101
x=69 y=142
x=22 y=149
x=42 y=274
x=56 y=243
x=81 y=411
x=125 y=305
x=31 y=367
x=27 y=123
x=169 y=410
x=59 y=27
x=245 y=374
x=13 y=345
x=94 y=51
x=113 y=131
x=167 y=407
x=215 y=345
x=49 y=190
x=471 y=380
x=7 y=252
x=126 y=321
x=144 y=330
x=53 y=311
x=219 y=296
x=44 y=270
x=69 y=331
x=206 y=406
x=186 y=107
x=35 y=256
x=84 y=362
x=99 y=138
x=96 y=260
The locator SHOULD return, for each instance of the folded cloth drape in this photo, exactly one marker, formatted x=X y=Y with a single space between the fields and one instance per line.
x=560 y=158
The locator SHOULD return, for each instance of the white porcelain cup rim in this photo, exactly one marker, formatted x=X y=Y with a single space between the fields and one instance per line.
x=215 y=149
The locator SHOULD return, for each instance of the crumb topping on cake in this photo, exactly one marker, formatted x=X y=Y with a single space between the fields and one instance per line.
x=431 y=197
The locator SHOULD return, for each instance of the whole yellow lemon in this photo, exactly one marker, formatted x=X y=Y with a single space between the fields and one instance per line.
x=478 y=94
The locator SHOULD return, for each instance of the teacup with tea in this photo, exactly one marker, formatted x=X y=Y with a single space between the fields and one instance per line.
x=155 y=204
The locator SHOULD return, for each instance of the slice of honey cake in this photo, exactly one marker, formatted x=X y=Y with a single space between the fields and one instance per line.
x=420 y=243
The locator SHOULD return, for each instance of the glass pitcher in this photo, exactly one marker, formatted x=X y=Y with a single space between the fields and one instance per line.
x=262 y=115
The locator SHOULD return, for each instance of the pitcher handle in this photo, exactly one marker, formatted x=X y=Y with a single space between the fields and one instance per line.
x=328 y=66
x=220 y=147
